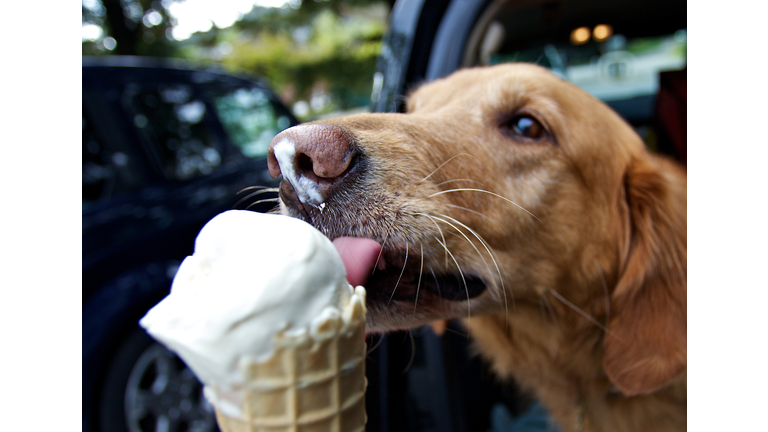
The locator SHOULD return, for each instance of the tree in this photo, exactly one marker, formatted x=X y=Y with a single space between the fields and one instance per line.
x=315 y=50
x=138 y=27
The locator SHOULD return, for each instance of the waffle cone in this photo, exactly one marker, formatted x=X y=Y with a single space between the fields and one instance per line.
x=312 y=383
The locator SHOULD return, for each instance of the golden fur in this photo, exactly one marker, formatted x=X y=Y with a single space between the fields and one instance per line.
x=583 y=247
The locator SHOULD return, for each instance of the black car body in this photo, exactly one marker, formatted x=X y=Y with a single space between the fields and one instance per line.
x=166 y=146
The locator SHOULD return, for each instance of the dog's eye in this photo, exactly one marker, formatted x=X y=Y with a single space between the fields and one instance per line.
x=526 y=126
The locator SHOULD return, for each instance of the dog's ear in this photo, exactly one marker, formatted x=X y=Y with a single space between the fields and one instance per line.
x=645 y=346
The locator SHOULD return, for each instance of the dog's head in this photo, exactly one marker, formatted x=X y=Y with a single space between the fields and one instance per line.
x=501 y=186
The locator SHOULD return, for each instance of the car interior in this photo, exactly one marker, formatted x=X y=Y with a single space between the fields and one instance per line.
x=631 y=55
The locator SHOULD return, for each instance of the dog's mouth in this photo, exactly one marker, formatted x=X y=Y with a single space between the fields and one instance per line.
x=400 y=273
x=390 y=270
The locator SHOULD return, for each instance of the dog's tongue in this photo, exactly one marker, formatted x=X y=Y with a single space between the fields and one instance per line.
x=359 y=256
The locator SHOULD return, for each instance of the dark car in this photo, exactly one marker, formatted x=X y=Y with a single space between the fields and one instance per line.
x=166 y=147
x=417 y=381
x=630 y=54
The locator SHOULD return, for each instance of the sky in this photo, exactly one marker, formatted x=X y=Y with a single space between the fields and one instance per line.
x=192 y=16
x=199 y=15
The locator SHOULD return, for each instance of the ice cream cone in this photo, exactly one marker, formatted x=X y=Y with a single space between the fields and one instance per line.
x=312 y=382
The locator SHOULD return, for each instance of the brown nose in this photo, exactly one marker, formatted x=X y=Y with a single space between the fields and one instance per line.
x=311 y=158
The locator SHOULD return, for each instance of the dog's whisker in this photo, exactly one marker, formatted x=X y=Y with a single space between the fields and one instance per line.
x=433 y=218
x=437 y=284
x=488 y=192
x=605 y=291
x=395 y=99
x=485 y=245
x=263 y=188
x=552 y=313
x=441 y=235
x=466 y=288
x=495 y=263
x=679 y=265
x=490 y=219
x=454 y=234
x=465 y=237
x=413 y=353
x=443 y=164
x=450 y=330
x=476 y=250
x=405 y=262
x=376 y=345
x=579 y=310
x=460 y=232
x=418 y=284
x=251 y=195
x=380 y=251
x=460 y=180
x=262 y=201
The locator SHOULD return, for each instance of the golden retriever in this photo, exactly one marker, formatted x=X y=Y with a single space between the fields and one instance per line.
x=516 y=201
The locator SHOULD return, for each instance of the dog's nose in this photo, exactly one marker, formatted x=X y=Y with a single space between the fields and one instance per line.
x=312 y=158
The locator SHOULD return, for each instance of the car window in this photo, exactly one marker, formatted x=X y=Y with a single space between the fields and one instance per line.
x=177 y=128
x=614 y=52
x=614 y=68
x=631 y=56
x=250 y=119
x=107 y=172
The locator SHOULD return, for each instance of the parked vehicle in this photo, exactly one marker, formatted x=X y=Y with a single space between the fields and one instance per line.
x=166 y=146
x=630 y=54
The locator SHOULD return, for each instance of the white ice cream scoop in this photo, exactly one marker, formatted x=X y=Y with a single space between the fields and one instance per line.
x=251 y=276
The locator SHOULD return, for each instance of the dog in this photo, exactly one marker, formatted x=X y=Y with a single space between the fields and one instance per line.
x=515 y=201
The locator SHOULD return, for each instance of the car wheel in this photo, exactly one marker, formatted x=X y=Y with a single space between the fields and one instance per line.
x=149 y=389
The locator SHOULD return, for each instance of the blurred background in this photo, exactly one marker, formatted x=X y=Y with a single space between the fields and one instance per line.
x=319 y=56
x=180 y=99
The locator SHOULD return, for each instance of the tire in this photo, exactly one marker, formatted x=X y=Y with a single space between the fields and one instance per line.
x=148 y=389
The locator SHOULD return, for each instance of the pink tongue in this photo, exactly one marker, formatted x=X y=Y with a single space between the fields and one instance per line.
x=359 y=256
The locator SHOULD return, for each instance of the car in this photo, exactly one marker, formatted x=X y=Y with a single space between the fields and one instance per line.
x=417 y=380
x=167 y=145
x=630 y=54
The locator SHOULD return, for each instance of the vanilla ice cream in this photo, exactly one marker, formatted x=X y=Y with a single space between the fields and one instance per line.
x=251 y=276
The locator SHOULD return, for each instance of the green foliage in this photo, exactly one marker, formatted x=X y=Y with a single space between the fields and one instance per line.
x=644 y=45
x=128 y=22
x=322 y=46
x=340 y=52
